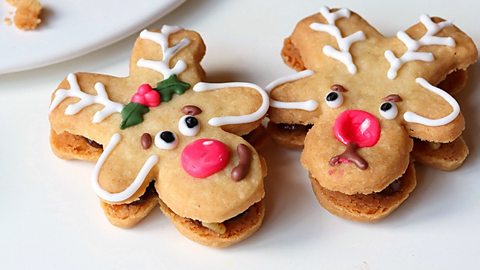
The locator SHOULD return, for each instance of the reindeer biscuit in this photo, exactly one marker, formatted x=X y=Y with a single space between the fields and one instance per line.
x=358 y=101
x=162 y=136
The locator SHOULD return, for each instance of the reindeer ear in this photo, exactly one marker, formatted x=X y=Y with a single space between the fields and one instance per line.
x=327 y=40
x=431 y=49
x=236 y=107
x=159 y=54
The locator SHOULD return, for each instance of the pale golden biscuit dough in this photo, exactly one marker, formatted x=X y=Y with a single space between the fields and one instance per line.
x=370 y=207
x=338 y=50
x=27 y=13
x=212 y=199
x=443 y=156
x=69 y=146
x=238 y=228
x=128 y=215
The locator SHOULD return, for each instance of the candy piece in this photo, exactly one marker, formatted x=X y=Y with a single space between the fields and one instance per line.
x=358 y=127
x=146 y=96
x=205 y=157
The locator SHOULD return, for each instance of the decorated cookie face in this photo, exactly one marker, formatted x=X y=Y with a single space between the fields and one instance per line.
x=161 y=124
x=366 y=95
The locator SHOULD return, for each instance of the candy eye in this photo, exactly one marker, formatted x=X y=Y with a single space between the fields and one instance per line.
x=189 y=125
x=388 y=110
x=334 y=99
x=166 y=140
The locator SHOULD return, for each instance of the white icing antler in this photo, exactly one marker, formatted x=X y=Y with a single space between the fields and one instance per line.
x=163 y=66
x=309 y=105
x=344 y=43
x=412 y=54
x=415 y=118
x=133 y=187
x=242 y=119
x=101 y=98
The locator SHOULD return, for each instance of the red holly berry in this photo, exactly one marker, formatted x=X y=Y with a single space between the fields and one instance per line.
x=146 y=96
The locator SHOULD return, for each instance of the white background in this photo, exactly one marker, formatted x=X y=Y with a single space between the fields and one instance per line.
x=51 y=219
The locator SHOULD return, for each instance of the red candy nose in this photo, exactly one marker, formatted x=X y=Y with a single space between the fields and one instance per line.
x=358 y=127
x=205 y=157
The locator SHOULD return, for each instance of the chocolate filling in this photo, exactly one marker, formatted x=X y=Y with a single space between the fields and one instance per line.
x=393 y=188
x=148 y=193
x=294 y=127
x=93 y=143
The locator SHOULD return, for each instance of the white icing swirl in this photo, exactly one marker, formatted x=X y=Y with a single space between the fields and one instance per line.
x=415 y=118
x=309 y=105
x=101 y=98
x=242 y=119
x=133 y=187
x=344 y=43
x=163 y=66
x=412 y=54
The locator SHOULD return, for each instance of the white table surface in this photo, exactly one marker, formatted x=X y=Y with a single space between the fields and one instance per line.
x=51 y=219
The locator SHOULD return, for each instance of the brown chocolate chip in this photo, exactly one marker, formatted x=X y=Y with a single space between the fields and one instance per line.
x=146 y=140
x=245 y=158
x=191 y=110
x=393 y=98
x=338 y=88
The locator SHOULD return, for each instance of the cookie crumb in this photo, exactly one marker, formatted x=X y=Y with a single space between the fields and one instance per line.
x=27 y=14
x=7 y=21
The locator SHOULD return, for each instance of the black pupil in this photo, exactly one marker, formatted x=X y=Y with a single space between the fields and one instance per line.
x=167 y=136
x=191 y=122
x=332 y=96
x=386 y=106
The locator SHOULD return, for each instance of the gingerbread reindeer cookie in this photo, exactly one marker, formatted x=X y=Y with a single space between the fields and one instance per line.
x=360 y=98
x=162 y=136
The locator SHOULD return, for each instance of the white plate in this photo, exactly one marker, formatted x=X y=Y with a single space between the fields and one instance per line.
x=72 y=28
x=51 y=219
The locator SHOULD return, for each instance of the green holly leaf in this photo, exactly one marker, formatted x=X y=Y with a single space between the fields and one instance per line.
x=132 y=114
x=171 y=86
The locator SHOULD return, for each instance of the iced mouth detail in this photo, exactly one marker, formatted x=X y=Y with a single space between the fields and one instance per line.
x=355 y=129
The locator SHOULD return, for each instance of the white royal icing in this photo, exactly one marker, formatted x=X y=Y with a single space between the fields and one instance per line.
x=101 y=98
x=412 y=54
x=134 y=186
x=344 y=43
x=415 y=118
x=163 y=66
x=309 y=105
x=227 y=120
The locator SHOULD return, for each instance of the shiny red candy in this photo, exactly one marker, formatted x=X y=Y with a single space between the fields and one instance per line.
x=358 y=127
x=146 y=96
x=205 y=157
